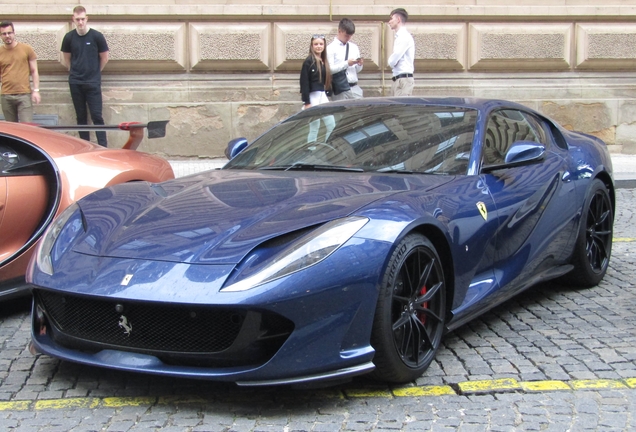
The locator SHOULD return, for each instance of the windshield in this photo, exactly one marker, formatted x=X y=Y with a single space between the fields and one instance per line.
x=384 y=138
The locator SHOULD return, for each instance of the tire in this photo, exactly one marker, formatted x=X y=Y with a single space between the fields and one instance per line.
x=593 y=246
x=411 y=311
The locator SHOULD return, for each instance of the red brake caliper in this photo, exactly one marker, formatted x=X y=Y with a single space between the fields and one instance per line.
x=421 y=315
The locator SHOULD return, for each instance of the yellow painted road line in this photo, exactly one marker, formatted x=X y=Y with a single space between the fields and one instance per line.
x=598 y=385
x=489 y=386
x=15 y=406
x=463 y=388
x=370 y=393
x=66 y=403
x=116 y=402
x=424 y=391
x=543 y=386
x=624 y=239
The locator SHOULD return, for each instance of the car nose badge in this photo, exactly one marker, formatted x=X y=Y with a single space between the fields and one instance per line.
x=126 y=280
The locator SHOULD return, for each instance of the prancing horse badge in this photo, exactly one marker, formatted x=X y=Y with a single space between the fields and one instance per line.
x=125 y=325
x=482 y=209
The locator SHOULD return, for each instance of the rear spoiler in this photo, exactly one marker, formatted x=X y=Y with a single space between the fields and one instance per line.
x=156 y=129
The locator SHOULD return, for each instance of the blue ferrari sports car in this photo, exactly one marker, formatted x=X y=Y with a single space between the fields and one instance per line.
x=345 y=240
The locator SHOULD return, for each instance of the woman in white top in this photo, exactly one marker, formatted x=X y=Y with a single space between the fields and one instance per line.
x=315 y=81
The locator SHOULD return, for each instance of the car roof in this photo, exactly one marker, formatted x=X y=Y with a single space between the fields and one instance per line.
x=481 y=104
x=55 y=144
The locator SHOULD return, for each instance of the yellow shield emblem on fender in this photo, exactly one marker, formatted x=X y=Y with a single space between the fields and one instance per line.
x=482 y=210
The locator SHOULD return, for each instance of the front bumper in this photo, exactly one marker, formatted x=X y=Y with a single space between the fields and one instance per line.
x=309 y=326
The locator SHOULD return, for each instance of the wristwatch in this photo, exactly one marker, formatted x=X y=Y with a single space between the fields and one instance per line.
x=37 y=90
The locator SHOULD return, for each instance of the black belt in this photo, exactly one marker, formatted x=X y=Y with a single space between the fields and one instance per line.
x=353 y=84
x=397 y=77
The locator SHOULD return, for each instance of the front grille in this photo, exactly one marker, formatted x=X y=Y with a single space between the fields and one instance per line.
x=171 y=330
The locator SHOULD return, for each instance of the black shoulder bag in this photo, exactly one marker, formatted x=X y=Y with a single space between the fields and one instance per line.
x=339 y=82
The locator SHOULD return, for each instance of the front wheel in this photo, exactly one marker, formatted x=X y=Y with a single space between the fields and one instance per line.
x=593 y=246
x=411 y=311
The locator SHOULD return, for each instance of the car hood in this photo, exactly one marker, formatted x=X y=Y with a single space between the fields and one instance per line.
x=219 y=216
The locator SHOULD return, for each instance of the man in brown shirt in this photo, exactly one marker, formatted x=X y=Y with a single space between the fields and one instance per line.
x=18 y=62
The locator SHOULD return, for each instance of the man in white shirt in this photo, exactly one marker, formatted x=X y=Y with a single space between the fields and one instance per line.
x=344 y=57
x=402 y=59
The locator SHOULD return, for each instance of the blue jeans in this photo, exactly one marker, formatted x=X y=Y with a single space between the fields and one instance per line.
x=90 y=95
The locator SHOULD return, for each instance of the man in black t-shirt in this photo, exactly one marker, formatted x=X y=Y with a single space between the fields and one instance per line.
x=85 y=53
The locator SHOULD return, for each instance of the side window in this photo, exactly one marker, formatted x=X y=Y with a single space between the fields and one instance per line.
x=506 y=127
x=538 y=128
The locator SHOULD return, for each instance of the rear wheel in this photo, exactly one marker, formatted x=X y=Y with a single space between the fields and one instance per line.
x=594 y=241
x=411 y=310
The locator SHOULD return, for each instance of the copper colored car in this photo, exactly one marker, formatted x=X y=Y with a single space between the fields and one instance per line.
x=42 y=172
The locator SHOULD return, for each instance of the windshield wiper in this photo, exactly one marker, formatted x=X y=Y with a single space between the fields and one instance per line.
x=397 y=171
x=311 y=167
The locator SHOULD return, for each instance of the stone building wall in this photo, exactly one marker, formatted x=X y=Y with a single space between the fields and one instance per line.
x=221 y=69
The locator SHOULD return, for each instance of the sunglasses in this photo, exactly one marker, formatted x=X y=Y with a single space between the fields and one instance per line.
x=318 y=36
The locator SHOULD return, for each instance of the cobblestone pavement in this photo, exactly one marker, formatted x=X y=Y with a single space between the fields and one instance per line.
x=552 y=359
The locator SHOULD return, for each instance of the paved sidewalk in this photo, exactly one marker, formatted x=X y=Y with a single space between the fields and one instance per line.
x=624 y=168
x=192 y=166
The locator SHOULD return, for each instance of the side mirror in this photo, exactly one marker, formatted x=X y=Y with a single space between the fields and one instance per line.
x=234 y=147
x=523 y=152
x=519 y=153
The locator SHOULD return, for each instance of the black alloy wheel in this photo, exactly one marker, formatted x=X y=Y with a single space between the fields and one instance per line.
x=594 y=242
x=411 y=311
x=598 y=231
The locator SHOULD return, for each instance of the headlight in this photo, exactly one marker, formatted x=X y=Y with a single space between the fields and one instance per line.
x=65 y=227
x=304 y=252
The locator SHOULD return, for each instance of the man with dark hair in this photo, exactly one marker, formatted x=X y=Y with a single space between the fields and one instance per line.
x=345 y=62
x=18 y=62
x=85 y=53
x=403 y=57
